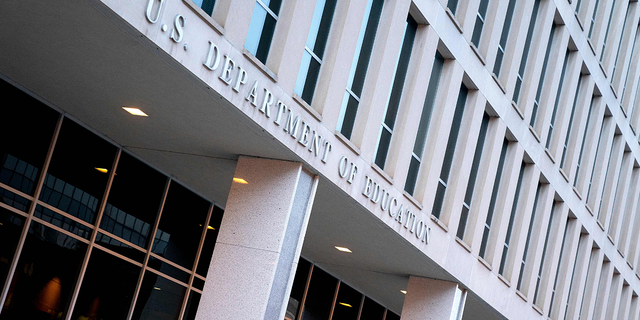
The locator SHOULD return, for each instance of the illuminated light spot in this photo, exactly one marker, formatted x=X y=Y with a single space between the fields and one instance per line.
x=240 y=180
x=103 y=170
x=345 y=304
x=135 y=111
x=343 y=249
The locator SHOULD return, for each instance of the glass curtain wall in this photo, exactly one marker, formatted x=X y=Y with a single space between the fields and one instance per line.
x=95 y=232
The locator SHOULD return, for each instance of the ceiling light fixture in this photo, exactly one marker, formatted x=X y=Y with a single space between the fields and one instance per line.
x=103 y=170
x=156 y=288
x=135 y=111
x=403 y=291
x=210 y=228
x=240 y=180
x=343 y=249
x=345 y=304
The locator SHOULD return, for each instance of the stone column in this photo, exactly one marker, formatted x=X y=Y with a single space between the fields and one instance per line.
x=429 y=299
x=261 y=235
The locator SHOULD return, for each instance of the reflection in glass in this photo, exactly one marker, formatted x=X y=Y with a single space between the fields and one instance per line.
x=198 y=283
x=41 y=288
x=14 y=200
x=73 y=184
x=107 y=288
x=319 y=295
x=22 y=152
x=263 y=24
x=192 y=306
x=371 y=310
x=347 y=303
x=299 y=282
x=209 y=241
x=119 y=247
x=134 y=199
x=61 y=221
x=168 y=269
x=159 y=299
x=181 y=225
x=10 y=230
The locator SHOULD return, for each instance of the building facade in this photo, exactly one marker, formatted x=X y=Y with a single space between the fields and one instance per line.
x=311 y=160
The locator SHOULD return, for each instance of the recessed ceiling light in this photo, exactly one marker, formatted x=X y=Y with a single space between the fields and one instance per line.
x=240 y=180
x=345 y=304
x=103 y=170
x=403 y=291
x=156 y=288
x=135 y=111
x=343 y=249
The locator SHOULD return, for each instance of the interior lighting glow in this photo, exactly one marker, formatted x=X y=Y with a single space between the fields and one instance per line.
x=343 y=249
x=156 y=288
x=103 y=170
x=403 y=291
x=210 y=228
x=240 y=180
x=135 y=111
x=345 y=304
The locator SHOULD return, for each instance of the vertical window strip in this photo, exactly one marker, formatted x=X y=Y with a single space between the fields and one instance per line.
x=449 y=151
x=555 y=105
x=584 y=137
x=525 y=52
x=386 y=128
x=504 y=37
x=565 y=146
x=514 y=209
x=526 y=244
x=606 y=176
x=626 y=77
x=452 y=5
x=205 y=5
x=544 y=252
x=593 y=19
x=573 y=274
x=555 y=282
x=592 y=256
x=423 y=127
x=595 y=158
x=466 y=205
x=261 y=29
x=578 y=4
x=314 y=49
x=624 y=25
x=480 y=17
x=536 y=102
x=359 y=67
x=615 y=196
x=494 y=196
x=606 y=33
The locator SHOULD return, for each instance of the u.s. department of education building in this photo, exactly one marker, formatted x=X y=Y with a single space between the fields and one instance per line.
x=319 y=160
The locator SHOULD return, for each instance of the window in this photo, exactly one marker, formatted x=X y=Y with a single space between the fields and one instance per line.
x=466 y=205
x=448 y=153
x=494 y=197
x=593 y=18
x=503 y=38
x=359 y=67
x=206 y=5
x=565 y=146
x=626 y=78
x=555 y=105
x=477 y=28
x=536 y=102
x=529 y=232
x=581 y=240
x=555 y=281
x=263 y=24
x=314 y=49
x=452 y=5
x=624 y=25
x=423 y=127
x=607 y=177
x=606 y=33
x=525 y=52
x=584 y=137
x=386 y=128
x=544 y=252
x=514 y=209
x=594 y=162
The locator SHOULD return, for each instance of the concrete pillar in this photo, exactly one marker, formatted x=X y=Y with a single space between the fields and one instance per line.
x=429 y=299
x=259 y=243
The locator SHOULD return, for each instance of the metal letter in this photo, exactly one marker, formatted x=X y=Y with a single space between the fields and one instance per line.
x=253 y=94
x=342 y=167
x=292 y=124
x=315 y=143
x=266 y=103
x=391 y=211
x=367 y=187
x=242 y=79
x=178 y=24
x=420 y=231
x=281 y=109
x=400 y=214
x=352 y=174
x=427 y=235
x=304 y=137
x=229 y=64
x=327 y=148
x=384 y=204
x=213 y=57
x=409 y=216
x=150 y=8
x=375 y=196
